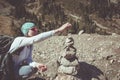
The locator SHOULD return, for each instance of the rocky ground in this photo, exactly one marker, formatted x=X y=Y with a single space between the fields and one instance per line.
x=99 y=57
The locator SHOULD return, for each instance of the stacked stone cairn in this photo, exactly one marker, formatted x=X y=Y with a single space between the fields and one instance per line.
x=68 y=62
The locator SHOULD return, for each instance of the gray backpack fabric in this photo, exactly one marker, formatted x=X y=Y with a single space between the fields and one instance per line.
x=5 y=43
x=6 y=63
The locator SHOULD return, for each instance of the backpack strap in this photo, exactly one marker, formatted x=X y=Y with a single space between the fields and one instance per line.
x=17 y=52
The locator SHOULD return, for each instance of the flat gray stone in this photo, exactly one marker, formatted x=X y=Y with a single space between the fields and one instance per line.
x=66 y=62
x=67 y=70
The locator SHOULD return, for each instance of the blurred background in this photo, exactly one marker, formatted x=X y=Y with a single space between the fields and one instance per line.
x=90 y=16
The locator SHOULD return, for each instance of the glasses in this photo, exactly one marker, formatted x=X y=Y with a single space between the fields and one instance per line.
x=34 y=29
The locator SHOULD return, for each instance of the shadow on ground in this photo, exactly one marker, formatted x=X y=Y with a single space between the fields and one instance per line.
x=37 y=78
x=88 y=71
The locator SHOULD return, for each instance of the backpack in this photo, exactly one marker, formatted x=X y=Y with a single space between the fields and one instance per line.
x=6 y=63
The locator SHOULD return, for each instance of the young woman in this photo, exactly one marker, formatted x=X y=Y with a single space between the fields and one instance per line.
x=30 y=37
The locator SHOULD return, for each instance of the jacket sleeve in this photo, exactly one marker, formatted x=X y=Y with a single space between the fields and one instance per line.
x=24 y=41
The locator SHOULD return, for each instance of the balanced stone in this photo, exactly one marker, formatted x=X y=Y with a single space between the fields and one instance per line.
x=68 y=62
x=67 y=70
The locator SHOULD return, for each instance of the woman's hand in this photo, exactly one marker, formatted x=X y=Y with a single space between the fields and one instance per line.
x=63 y=27
x=42 y=68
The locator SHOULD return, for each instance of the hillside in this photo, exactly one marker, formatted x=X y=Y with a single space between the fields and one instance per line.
x=92 y=16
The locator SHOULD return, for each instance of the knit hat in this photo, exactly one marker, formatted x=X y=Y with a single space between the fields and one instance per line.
x=26 y=27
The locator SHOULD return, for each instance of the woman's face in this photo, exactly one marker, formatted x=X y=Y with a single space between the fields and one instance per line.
x=33 y=31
